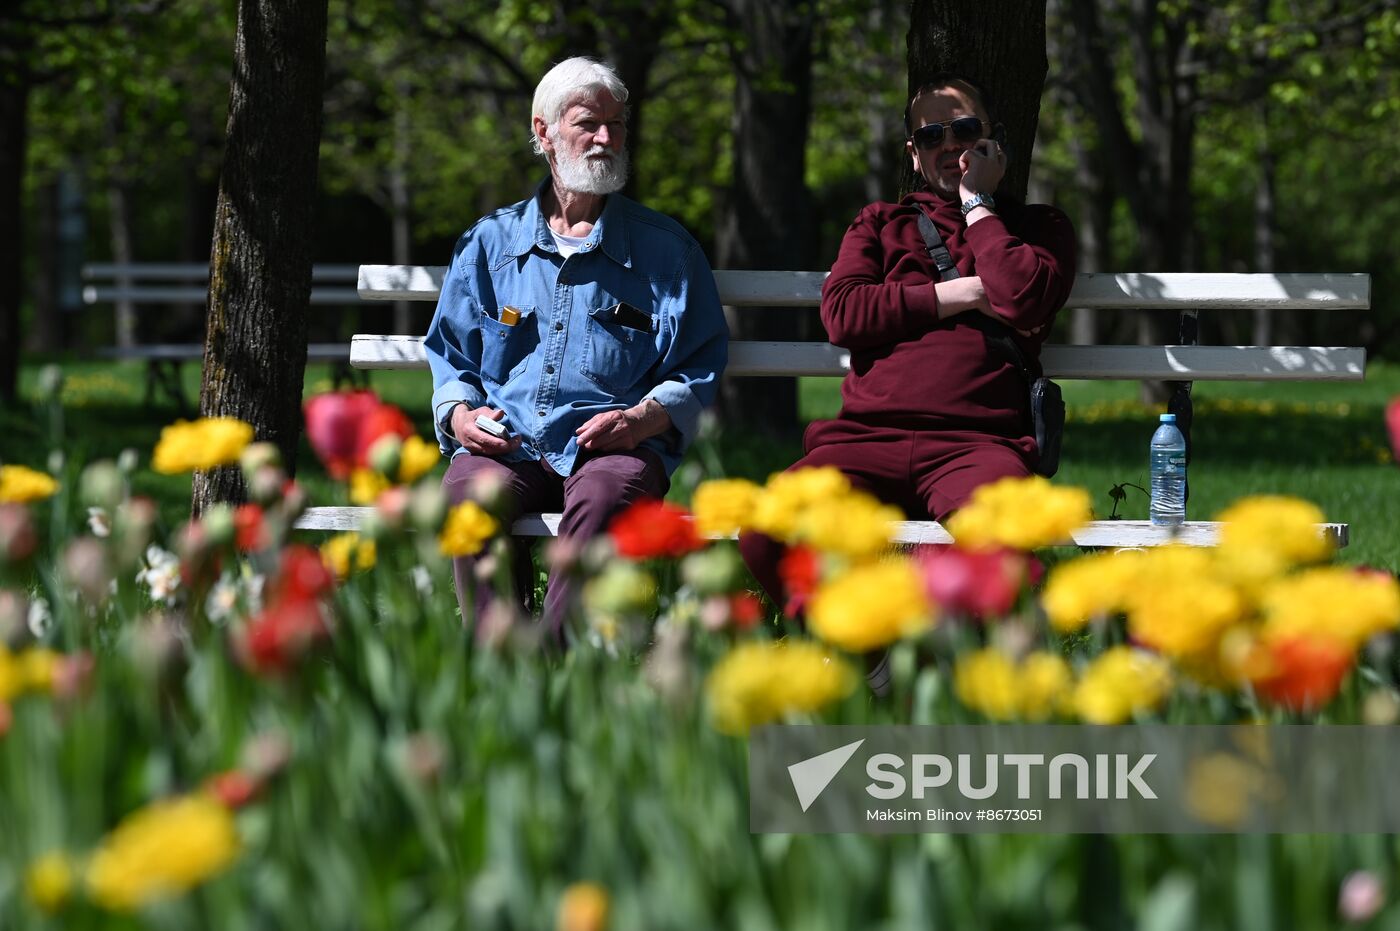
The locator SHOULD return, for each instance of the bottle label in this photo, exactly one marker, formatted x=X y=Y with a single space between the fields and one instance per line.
x=1175 y=463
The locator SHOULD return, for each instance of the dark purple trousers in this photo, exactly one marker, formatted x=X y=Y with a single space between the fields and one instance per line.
x=923 y=473
x=599 y=488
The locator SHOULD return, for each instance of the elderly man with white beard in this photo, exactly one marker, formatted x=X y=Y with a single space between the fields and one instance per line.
x=577 y=339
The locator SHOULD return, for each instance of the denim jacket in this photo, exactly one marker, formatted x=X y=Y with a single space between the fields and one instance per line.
x=573 y=351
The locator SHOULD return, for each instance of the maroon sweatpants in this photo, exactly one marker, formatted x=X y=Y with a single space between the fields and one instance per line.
x=923 y=473
x=601 y=486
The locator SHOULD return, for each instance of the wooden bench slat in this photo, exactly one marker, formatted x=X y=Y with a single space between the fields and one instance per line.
x=1193 y=363
x=188 y=352
x=189 y=294
x=1099 y=533
x=194 y=271
x=1168 y=291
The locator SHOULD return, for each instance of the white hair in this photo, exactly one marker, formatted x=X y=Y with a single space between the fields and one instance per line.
x=565 y=84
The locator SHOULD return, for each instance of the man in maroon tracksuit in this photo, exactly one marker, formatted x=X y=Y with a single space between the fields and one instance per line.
x=929 y=410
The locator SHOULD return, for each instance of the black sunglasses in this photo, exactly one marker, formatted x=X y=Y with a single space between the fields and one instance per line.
x=964 y=129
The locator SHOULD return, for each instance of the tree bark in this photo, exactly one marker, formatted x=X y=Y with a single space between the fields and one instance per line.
x=1265 y=218
x=400 y=203
x=119 y=228
x=1000 y=44
x=260 y=262
x=767 y=222
x=1091 y=172
x=14 y=139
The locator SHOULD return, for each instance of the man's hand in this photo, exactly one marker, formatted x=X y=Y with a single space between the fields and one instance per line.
x=961 y=295
x=476 y=440
x=616 y=431
x=982 y=165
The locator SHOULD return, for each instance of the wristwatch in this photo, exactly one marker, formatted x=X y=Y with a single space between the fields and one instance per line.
x=978 y=200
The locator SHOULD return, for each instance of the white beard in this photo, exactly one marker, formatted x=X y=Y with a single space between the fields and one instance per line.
x=591 y=175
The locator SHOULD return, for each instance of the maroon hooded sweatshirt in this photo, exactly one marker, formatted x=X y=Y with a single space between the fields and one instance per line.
x=909 y=370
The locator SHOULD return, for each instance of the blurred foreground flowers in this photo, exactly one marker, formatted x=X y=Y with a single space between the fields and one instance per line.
x=233 y=719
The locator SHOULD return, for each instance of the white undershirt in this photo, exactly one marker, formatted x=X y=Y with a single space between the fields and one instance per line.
x=567 y=245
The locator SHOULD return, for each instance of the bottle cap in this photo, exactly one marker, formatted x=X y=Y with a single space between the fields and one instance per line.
x=1167 y=418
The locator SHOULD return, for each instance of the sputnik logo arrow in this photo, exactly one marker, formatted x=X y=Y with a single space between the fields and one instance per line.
x=811 y=776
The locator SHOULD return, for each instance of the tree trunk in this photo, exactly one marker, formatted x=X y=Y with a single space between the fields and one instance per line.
x=1153 y=173
x=119 y=226
x=632 y=38
x=399 y=204
x=1091 y=172
x=881 y=157
x=767 y=221
x=45 y=202
x=260 y=262
x=14 y=126
x=627 y=34
x=119 y=210
x=1000 y=44
x=1265 y=217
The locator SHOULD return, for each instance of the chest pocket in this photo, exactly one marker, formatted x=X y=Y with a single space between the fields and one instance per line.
x=619 y=354
x=504 y=348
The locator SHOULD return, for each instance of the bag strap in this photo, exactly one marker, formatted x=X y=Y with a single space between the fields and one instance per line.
x=997 y=333
x=933 y=242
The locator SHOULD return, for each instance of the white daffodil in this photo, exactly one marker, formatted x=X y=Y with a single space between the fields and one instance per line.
x=99 y=522
x=161 y=575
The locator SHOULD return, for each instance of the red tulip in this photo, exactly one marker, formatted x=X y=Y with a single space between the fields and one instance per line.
x=279 y=636
x=384 y=420
x=651 y=528
x=342 y=425
x=745 y=610
x=801 y=572
x=302 y=576
x=1303 y=673
x=233 y=789
x=249 y=530
x=982 y=584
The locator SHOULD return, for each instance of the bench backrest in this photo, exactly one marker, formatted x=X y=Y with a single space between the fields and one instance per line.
x=187 y=283
x=1184 y=292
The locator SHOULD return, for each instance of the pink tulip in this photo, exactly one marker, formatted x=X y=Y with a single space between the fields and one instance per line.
x=981 y=584
x=333 y=427
x=17 y=536
x=1392 y=426
x=1361 y=897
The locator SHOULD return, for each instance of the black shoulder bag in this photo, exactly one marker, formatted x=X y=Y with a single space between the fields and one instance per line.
x=1047 y=405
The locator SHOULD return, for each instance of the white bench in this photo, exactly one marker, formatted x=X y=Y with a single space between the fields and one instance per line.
x=175 y=283
x=1187 y=293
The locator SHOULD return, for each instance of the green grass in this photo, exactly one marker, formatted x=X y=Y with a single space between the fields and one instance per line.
x=1321 y=441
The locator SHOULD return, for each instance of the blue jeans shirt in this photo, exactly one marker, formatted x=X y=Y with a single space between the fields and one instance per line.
x=573 y=353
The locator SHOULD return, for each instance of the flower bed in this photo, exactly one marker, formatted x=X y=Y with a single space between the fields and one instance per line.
x=225 y=725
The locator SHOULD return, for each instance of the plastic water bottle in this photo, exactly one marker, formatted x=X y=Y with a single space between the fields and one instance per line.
x=1168 y=473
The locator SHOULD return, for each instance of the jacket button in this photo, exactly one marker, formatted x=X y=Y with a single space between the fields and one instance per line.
x=549 y=369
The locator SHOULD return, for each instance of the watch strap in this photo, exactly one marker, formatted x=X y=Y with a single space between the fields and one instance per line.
x=978 y=200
